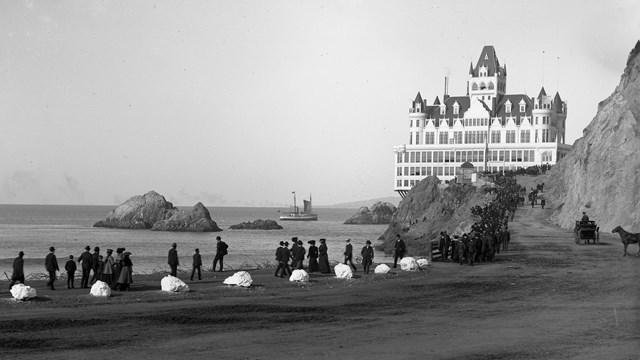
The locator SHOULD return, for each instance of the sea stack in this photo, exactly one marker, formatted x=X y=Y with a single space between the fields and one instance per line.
x=380 y=213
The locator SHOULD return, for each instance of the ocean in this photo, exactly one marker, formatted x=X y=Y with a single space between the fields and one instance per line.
x=69 y=228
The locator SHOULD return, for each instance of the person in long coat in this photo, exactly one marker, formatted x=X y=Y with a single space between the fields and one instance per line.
x=18 y=270
x=71 y=268
x=173 y=260
x=95 y=265
x=300 y=252
x=398 y=250
x=293 y=252
x=283 y=260
x=197 y=265
x=323 y=258
x=117 y=266
x=51 y=264
x=312 y=255
x=367 y=256
x=85 y=259
x=348 y=254
x=126 y=273
x=107 y=271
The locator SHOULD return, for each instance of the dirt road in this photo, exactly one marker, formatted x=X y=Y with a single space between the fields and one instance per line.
x=545 y=298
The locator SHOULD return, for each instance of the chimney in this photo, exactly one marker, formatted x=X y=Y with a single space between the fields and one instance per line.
x=446 y=88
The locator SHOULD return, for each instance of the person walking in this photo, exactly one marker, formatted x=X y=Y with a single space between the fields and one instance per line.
x=367 y=256
x=70 y=267
x=348 y=254
x=312 y=255
x=294 y=252
x=117 y=266
x=398 y=250
x=126 y=273
x=299 y=256
x=18 y=270
x=107 y=271
x=282 y=258
x=173 y=259
x=221 y=251
x=323 y=258
x=85 y=259
x=95 y=265
x=197 y=265
x=447 y=244
x=51 y=264
x=542 y=203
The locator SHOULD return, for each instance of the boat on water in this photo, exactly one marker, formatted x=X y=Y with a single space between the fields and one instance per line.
x=296 y=215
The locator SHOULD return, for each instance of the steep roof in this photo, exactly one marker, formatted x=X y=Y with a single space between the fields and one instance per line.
x=515 y=99
x=488 y=59
x=418 y=98
x=542 y=93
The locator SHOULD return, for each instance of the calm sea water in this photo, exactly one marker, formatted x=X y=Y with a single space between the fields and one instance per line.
x=34 y=228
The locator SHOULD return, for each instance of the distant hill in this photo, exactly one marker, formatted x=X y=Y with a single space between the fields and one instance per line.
x=395 y=200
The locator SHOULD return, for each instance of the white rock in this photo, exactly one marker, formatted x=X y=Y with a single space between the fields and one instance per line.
x=423 y=263
x=23 y=292
x=241 y=278
x=382 y=269
x=299 y=275
x=409 y=264
x=100 y=288
x=173 y=284
x=343 y=271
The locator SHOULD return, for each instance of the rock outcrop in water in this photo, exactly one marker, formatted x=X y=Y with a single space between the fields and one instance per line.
x=196 y=219
x=601 y=174
x=380 y=213
x=257 y=225
x=139 y=212
x=428 y=209
x=153 y=211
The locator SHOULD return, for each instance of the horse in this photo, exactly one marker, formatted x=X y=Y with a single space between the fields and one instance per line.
x=627 y=238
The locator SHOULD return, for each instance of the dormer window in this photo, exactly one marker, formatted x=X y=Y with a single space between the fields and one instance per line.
x=456 y=108
x=483 y=71
x=522 y=108
x=443 y=109
x=507 y=106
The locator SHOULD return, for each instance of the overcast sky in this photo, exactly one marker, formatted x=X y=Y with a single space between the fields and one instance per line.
x=238 y=103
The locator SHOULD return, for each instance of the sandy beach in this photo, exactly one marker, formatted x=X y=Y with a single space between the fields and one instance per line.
x=545 y=298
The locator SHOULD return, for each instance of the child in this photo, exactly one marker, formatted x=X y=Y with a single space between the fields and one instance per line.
x=70 y=267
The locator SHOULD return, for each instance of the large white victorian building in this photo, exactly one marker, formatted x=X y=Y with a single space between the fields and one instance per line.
x=488 y=128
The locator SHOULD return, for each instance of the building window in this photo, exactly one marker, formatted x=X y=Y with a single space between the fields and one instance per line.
x=481 y=156
x=495 y=136
x=406 y=183
x=429 y=138
x=443 y=109
x=417 y=138
x=413 y=156
x=429 y=156
x=525 y=136
x=474 y=86
x=424 y=156
x=519 y=156
x=507 y=107
x=406 y=157
x=457 y=136
x=490 y=85
x=406 y=170
x=501 y=155
x=525 y=156
x=511 y=136
x=444 y=137
x=522 y=108
x=545 y=135
x=399 y=183
x=399 y=172
x=513 y=155
x=411 y=138
x=532 y=155
x=399 y=160
x=424 y=171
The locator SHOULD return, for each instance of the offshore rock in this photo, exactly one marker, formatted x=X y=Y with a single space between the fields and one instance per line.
x=197 y=219
x=139 y=212
x=600 y=175
x=430 y=208
x=257 y=225
x=380 y=213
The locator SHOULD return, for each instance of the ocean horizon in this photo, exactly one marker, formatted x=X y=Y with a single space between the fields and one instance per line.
x=69 y=228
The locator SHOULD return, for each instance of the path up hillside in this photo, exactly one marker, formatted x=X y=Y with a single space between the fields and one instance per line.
x=601 y=173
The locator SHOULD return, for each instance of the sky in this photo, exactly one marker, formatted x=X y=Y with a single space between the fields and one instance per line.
x=239 y=103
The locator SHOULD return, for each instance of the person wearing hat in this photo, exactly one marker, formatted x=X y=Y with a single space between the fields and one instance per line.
x=398 y=250
x=312 y=255
x=18 y=270
x=70 y=267
x=221 y=251
x=282 y=257
x=367 y=256
x=293 y=252
x=323 y=257
x=585 y=218
x=197 y=264
x=117 y=266
x=173 y=259
x=86 y=260
x=95 y=265
x=298 y=256
x=51 y=264
x=348 y=254
x=126 y=273
x=107 y=270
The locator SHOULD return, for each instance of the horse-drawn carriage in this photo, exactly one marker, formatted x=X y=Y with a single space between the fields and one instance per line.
x=586 y=231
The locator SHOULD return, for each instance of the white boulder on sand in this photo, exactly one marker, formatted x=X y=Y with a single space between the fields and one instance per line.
x=382 y=269
x=409 y=264
x=23 y=292
x=343 y=271
x=100 y=288
x=241 y=278
x=299 y=275
x=423 y=263
x=173 y=284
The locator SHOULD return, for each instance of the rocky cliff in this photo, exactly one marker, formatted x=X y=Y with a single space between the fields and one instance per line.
x=139 y=212
x=380 y=213
x=600 y=175
x=257 y=225
x=153 y=211
x=428 y=209
x=196 y=219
